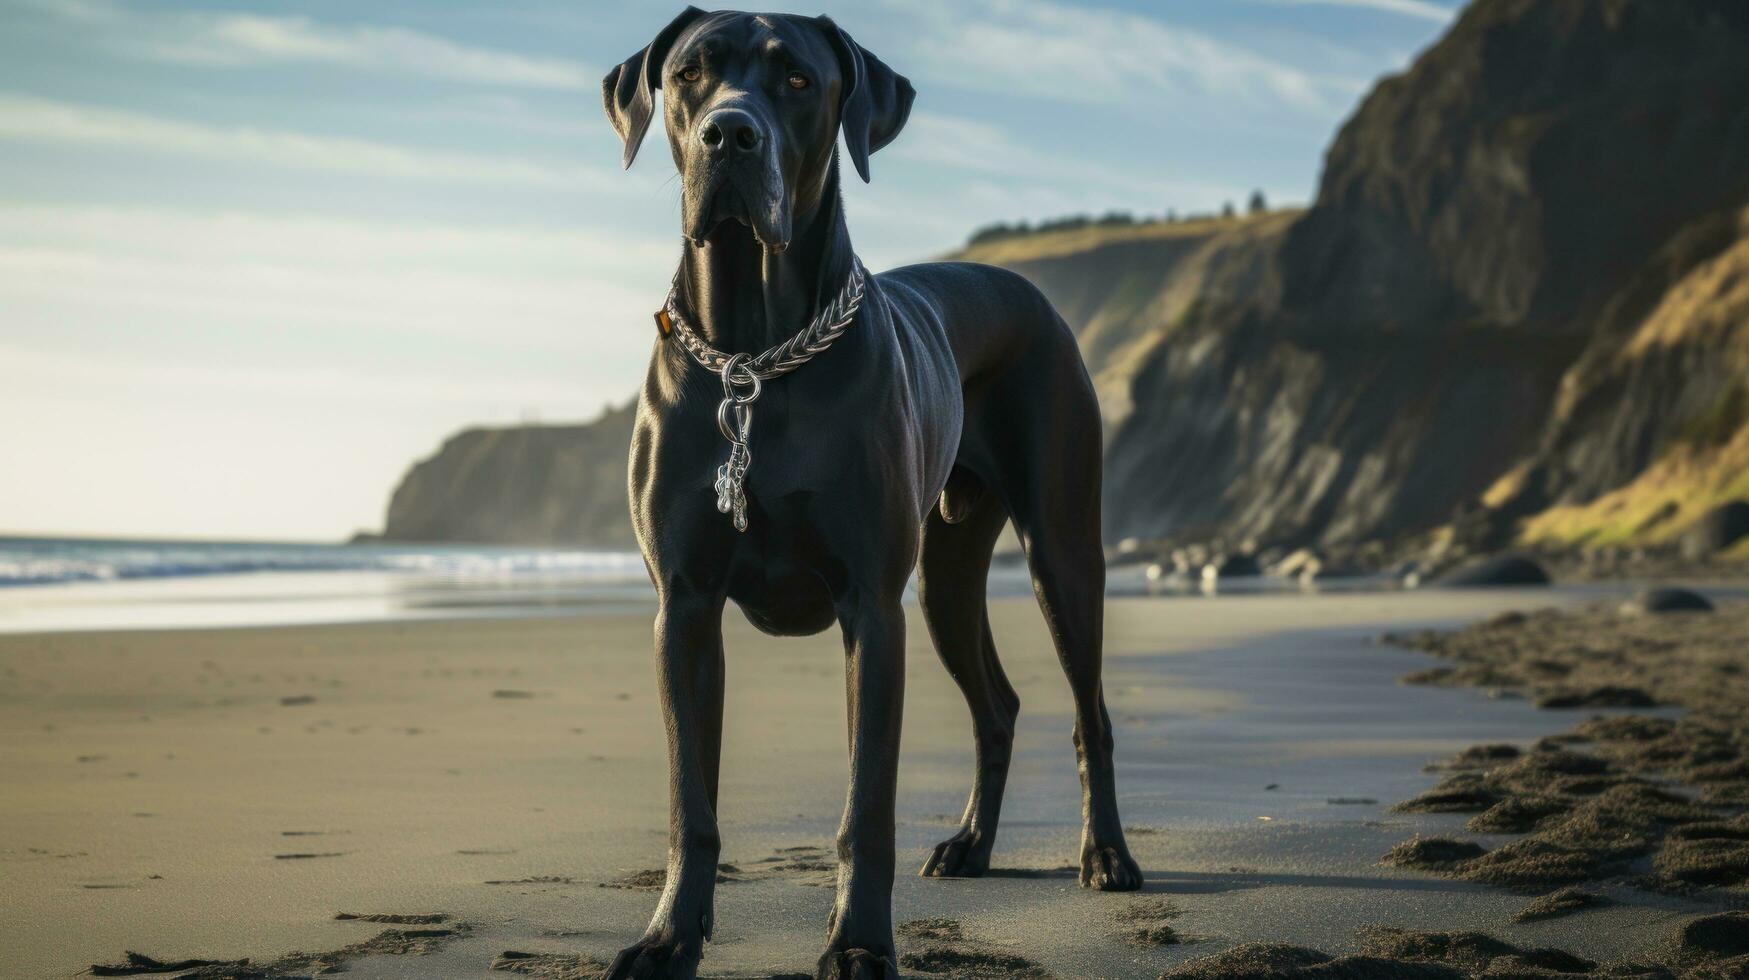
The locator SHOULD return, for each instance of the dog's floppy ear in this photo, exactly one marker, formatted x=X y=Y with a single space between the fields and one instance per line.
x=628 y=93
x=875 y=100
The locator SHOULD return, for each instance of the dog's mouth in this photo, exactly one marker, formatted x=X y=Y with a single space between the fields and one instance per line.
x=734 y=196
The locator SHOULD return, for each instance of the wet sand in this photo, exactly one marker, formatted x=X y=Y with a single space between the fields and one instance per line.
x=490 y=795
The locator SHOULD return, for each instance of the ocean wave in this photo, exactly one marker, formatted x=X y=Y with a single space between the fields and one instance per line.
x=43 y=561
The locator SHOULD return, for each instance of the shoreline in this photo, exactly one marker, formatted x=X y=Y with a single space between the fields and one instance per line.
x=278 y=598
x=414 y=762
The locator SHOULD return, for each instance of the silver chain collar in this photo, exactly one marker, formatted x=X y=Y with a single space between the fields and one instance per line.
x=743 y=376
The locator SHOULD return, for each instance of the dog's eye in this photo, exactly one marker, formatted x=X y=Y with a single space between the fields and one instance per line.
x=690 y=73
x=798 y=80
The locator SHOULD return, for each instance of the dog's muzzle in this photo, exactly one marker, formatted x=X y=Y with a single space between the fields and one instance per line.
x=740 y=180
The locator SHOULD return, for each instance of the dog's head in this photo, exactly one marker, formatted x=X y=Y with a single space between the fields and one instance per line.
x=754 y=103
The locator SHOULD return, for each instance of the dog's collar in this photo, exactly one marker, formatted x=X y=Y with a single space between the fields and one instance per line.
x=743 y=376
x=818 y=335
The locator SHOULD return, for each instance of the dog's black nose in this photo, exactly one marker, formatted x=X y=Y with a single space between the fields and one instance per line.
x=727 y=131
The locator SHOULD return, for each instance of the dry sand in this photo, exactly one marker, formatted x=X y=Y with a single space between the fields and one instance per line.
x=490 y=796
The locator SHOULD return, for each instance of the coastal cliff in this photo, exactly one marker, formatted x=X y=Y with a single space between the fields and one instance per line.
x=1519 y=289
x=523 y=485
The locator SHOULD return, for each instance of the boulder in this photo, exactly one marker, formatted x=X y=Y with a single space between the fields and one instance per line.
x=1667 y=600
x=1330 y=572
x=1231 y=566
x=1720 y=528
x=1296 y=564
x=1129 y=551
x=1496 y=570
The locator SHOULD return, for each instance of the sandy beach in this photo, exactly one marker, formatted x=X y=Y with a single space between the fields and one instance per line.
x=1390 y=357
x=225 y=794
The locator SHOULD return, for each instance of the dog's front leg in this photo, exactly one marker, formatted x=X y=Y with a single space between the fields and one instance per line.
x=859 y=935
x=689 y=667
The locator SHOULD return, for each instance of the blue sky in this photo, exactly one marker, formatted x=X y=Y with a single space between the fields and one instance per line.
x=257 y=258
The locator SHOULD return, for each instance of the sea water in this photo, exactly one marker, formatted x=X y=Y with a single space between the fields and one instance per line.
x=91 y=584
x=82 y=583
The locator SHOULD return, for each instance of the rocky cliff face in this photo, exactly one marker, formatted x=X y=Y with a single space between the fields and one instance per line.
x=527 y=485
x=1125 y=289
x=1650 y=429
x=1492 y=230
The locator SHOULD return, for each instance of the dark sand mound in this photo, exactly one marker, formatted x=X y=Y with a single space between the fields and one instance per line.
x=649 y=879
x=1712 y=947
x=971 y=963
x=1149 y=910
x=1562 y=901
x=137 y=964
x=1433 y=853
x=1466 y=950
x=394 y=918
x=1645 y=799
x=549 y=966
x=1695 y=662
x=940 y=948
x=1704 y=862
x=1153 y=935
x=1461 y=796
x=1528 y=865
x=1602 y=696
x=1280 y=961
x=292 y=966
x=931 y=930
x=1712 y=939
x=1518 y=814
x=1479 y=757
x=805 y=865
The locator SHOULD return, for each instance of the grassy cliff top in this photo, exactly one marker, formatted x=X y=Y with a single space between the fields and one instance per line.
x=1055 y=243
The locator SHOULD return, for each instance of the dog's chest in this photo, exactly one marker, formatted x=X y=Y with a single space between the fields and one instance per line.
x=783 y=595
x=846 y=456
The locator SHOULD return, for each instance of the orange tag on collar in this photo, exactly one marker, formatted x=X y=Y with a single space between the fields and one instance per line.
x=663 y=324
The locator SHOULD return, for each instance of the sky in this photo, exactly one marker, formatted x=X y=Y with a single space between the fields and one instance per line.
x=257 y=258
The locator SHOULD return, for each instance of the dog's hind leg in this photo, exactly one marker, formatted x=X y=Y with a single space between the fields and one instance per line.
x=1068 y=571
x=1053 y=495
x=954 y=562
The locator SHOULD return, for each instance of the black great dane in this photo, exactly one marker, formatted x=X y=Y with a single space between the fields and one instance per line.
x=952 y=401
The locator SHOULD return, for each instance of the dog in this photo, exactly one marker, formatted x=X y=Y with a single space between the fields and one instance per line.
x=954 y=402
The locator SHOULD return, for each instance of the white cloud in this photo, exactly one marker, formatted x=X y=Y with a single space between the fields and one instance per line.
x=1408 y=8
x=360 y=388
x=251 y=40
x=1042 y=48
x=247 y=39
x=118 y=267
x=34 y=120
x=980 y=147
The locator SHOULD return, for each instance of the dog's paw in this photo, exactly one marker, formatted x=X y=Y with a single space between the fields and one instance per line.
x=857 y=964
x=964 y=855
x=1110 y=869
x=656 y=959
